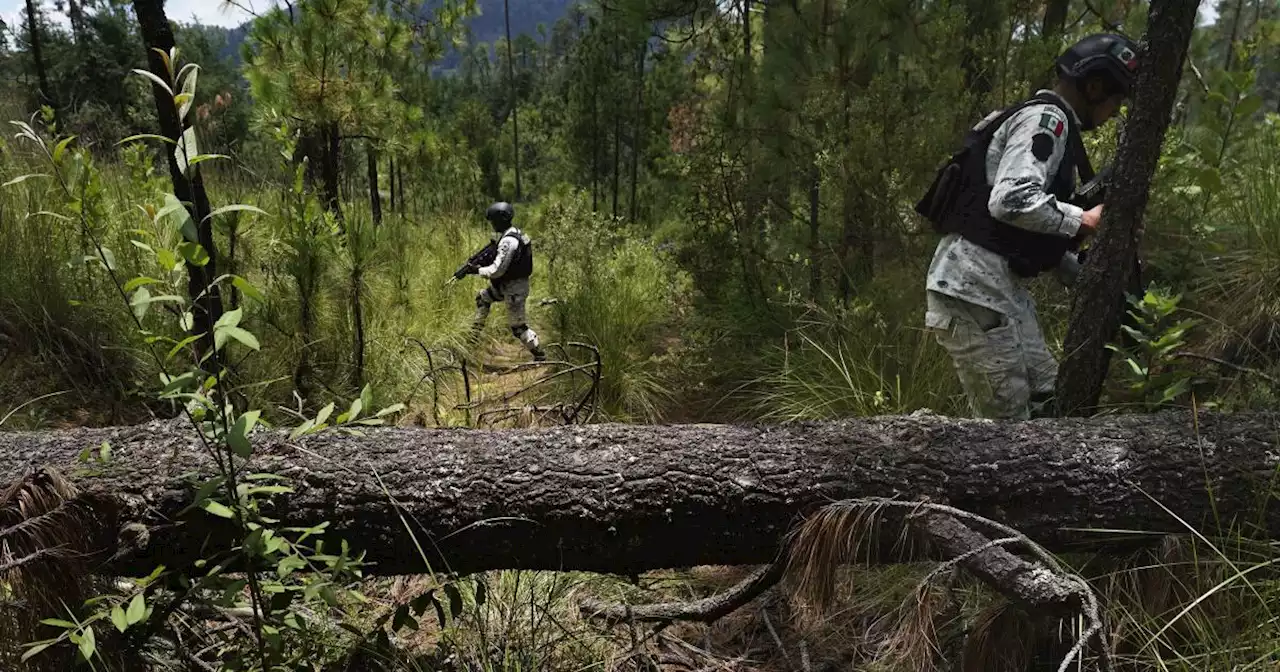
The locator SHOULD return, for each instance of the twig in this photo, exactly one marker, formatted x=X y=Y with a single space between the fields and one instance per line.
x=1196 y=71
x=1222 y=362
x=1108 y=23
x=27 y=559
x=706 y=610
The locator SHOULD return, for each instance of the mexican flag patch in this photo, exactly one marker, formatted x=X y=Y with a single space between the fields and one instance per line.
x=1052 y=124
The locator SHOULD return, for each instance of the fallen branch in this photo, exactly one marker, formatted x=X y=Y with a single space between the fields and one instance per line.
x=706 y=610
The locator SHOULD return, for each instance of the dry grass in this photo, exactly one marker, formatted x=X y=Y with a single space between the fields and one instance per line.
x=46 y=531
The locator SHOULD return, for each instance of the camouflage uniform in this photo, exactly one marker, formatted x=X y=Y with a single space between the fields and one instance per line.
x=514 y=292
x=980 y=310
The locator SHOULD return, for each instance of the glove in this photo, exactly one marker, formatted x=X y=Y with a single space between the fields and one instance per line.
x=461 y=272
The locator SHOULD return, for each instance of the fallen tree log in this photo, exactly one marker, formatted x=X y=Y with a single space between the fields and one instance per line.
x=625 y=499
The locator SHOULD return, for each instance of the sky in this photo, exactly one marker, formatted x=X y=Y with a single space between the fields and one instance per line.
x=209 y=12
x=213 y=12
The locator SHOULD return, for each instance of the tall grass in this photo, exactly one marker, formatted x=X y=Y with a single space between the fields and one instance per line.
x=342 y=302
x=616 y=290
x=871 y=357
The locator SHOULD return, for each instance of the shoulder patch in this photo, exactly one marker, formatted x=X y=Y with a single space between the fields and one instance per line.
x=1042 y=146
x=1050 y=122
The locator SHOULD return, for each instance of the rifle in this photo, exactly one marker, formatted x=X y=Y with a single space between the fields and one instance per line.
x=1090 y=195
x=484 y=257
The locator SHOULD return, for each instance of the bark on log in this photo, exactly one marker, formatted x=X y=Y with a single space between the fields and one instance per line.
x=625 y=499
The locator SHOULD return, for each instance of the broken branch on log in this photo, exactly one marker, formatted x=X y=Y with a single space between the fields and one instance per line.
x=625 y=499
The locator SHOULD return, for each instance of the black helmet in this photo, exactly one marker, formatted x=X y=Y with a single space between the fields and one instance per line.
x=500 y=215
x=1107 y=53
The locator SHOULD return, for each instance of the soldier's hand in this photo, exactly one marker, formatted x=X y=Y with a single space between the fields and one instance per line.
x=1090 y=219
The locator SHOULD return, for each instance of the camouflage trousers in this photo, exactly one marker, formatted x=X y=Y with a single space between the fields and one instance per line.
x=1004 y=366
x=514 y=295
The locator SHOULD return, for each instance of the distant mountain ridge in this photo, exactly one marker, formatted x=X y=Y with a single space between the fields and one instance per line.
x=488 y=26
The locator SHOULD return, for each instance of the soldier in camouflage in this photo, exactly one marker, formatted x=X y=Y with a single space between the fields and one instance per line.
x=508 y=276
x=1020 y=226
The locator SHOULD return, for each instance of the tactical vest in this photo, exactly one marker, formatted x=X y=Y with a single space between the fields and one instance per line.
x=522 y=265
x=957 y=200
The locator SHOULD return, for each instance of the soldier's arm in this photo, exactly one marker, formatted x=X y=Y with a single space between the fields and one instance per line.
x=1036 y=144
x=506 y=248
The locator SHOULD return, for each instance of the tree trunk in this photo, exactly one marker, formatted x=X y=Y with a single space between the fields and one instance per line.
x=595 y=145
x=42 y=76
x=391 y=176
x=515 y=97
x=331 y=171
x=815 y=240
x=625 y=499
x=399 y=178
x=1055 y=19
x=1055 y=22
x=156 y=35
x=233 y=238
x=1229 y=61
x=76 y=16
x=617 y=131
x=1097 y=308
x=357 y=317
x=375 y=196
x=982 y=18
x=637 y=130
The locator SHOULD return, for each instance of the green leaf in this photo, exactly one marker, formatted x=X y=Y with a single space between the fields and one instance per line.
x=394 y=408
x=352 y=413
x=206 y=490
x=247 y=339
x=194 y=253
x=177 y=210
x=155 y=79
x=118 y=618
x=439 y=611
x=182 y=344
x=46 y=213
x=61 y=148
x=231 y=318
x=305 y=427
x=188 y=91
x=138 y=282
x=167 y=259
x=187 y=149
x=217 y=509
x=108 y=258
x=235 y=208
x=1248 y=105
x=23 y=178
x=266 y=489
x=140 y=302
x=324 y=414
x=419 y=603
x=247 y=288
x=88 y=644
x=35 y=650
x=146 y=136
x=238 y=438
x=59 y=623
x=195 y=160
x=455 y=600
